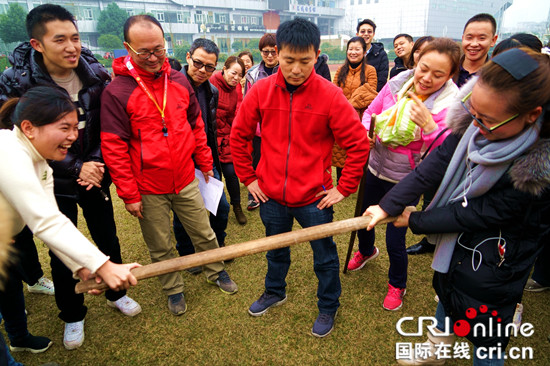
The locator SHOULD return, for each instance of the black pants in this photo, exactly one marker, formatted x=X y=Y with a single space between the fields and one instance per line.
x=232 y=183
x=28 y=264
x=256 y=155
x=101 y=224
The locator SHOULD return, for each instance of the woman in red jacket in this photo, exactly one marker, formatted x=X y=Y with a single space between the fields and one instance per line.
x=228 y=103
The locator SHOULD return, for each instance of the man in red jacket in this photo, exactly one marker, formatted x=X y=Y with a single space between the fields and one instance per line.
x=301 y=115
x=151 y=126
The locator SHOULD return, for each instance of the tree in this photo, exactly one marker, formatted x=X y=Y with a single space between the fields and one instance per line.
x=180 y=51
x=109 y=42
x=111 y=21
x=12 y=24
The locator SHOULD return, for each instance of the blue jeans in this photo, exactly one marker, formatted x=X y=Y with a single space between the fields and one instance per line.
x=5 y=356
x=279 y=219
x=218 y=223
x=440 y=316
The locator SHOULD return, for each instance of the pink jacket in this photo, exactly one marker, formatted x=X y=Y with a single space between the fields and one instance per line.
x=393 y=164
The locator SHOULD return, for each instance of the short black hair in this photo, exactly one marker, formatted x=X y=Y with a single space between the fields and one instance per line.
x=39 y=16
x=407 y=36
x=141 y=18
x=174 y=64
x=40 y=105
x=298 y=34
x=366 y=21
x=483 y=17
x=207 y=45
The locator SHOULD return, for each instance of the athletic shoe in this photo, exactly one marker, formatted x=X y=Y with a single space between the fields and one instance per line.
x=126 y=305
x=252 y=205
x=324 y=324
x=359 y=260
x=226 y=284
x=394 y=298
x=266 y=301
x=73 y=337
x=42 y=286
x=534 y=286
x=31 y=344
x=176 y=304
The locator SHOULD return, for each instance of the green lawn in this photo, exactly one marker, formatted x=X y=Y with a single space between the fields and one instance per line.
x=217 y=330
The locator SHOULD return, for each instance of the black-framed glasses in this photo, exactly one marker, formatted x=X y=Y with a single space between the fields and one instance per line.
x=145 y=55
x=199 y=65
x=480 y=122
x=268 y=52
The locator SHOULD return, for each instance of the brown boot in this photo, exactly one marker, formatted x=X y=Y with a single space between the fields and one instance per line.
x=432 y=341
x=241 y=218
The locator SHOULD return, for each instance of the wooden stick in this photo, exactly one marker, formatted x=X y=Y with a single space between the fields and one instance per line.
x=240 y=250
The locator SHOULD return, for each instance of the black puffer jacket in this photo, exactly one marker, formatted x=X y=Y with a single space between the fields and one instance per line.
x=28 y=70
x=516 y=209
x=378 y=58
x=209 y=108
x=399 y=67
x=321 y=66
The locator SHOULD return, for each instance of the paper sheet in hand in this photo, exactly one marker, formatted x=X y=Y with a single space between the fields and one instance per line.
x=211 y=192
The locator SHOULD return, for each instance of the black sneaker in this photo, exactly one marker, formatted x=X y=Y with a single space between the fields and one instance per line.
x=422 y=247
x=252 y=205
x=33 y=344
x=176 y=304
x=266 y=301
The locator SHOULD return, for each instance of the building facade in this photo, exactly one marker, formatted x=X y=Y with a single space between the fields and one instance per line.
x=438 y=18
x=223 y=21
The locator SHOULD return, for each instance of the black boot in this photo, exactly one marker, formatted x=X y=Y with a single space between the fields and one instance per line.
x=423 y=246
x=239 y=214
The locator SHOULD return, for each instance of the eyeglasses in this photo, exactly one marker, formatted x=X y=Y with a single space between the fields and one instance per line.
x=199 y=65
x=467 y=107
x=145 y=55
x=267 y=53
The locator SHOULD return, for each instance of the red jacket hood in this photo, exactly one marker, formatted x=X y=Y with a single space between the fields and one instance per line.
x=220 y=82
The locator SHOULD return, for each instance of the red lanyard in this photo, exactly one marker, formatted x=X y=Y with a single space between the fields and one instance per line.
x=148 y=93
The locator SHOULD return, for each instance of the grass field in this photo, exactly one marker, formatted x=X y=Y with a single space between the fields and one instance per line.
x=217 y=330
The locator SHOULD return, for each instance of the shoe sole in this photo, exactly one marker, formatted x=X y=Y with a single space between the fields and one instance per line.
x=400 y=306
x=222 y=290
x=250 y=208
x=365 y=262
x=113 y=305
x=31 y=350
x=327 y=333
x=41 y=292
x=537 y=289
x=71 y=347
x=180 y=312
x=280 y=302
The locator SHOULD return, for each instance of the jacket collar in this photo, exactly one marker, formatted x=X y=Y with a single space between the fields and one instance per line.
x=35 y=155
x=281 y=82
x=222 y=84
x=119 y=67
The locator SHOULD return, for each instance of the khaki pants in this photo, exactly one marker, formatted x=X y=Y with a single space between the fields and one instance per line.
x=156 y=230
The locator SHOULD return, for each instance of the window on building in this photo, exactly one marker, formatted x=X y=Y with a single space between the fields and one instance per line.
x=88 y=14
x=351 y=2
x=159 y=15
x=130 y=12
x=254 y=20
x=179 y=17
x=359 y=2
x=368 y=1
x=198 y=17
x=244 y=20
x=376 y=1
x=222 y=19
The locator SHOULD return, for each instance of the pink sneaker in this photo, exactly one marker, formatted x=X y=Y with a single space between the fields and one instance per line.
x=359 y=260
x=394 y=298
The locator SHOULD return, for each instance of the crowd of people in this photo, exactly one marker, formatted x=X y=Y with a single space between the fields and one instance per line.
x=467 y=132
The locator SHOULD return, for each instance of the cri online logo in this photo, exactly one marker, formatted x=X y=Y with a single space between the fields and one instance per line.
x=462 y=327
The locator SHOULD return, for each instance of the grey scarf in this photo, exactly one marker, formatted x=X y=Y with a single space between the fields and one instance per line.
x=477 y=164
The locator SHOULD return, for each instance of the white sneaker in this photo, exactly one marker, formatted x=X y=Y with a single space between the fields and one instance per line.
x=126 y=305
x=42 y=286
x=74 y=335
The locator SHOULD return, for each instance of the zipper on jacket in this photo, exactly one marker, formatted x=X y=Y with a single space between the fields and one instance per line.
x=288 y=149
x=140 y=150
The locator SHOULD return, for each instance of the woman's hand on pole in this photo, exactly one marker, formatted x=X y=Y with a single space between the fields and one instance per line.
x=377 y=215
